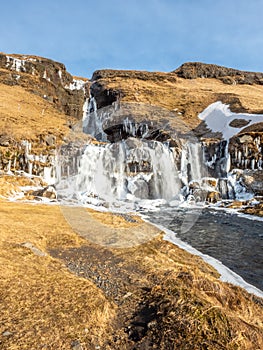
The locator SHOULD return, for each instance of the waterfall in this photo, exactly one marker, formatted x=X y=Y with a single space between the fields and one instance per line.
x=93 y=120
x=192 y=164
x=133 y=167
x=128 y=169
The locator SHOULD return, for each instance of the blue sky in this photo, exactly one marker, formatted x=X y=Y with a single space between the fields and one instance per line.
x=154 y=35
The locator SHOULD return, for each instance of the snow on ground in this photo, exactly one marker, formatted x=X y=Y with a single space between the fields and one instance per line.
x=218 y=117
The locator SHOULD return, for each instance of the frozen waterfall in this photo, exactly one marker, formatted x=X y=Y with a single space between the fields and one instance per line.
x=128 y=169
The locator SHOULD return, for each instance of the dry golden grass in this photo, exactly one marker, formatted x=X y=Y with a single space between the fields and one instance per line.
x=187 y=96
x=194 y=307
x=24 y=115
x=10 y=184
x=42 y=305
x=115 y=220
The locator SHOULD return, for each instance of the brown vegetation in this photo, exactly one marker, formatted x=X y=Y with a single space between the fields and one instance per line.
x=185 y=97
x=26 y=116
x=62 y=291
x=42 y=304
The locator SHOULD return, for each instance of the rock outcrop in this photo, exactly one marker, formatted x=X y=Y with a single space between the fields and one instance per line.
x=40 y=101
x=123 y=104
x=177 y=92
x=253 y=181
x=246 y=150
x=193 y=70
x=45 y=78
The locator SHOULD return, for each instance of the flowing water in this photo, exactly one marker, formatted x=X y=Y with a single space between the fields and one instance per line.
x=234 y=240
x=132 y=168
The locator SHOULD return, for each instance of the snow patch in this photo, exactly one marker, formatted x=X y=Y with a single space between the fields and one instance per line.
x=218 y=117
x=76 y=84
x=15 y=64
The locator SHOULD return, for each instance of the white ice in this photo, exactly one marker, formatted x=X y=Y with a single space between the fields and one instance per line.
x=76 y=84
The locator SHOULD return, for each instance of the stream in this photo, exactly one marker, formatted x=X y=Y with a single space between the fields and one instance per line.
x=234 y=240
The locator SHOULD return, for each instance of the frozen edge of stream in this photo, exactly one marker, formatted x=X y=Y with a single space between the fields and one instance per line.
x=227 y=275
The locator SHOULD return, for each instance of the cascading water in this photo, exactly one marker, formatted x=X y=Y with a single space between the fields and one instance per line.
x=133 y=167
x=128 y=169
x=192 y=164
x=92 y=120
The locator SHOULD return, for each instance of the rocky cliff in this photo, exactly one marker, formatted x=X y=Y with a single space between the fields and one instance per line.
x=193 y=70
x=45 y=78
x=167 y=106
x=40 y=101
x=174 y=100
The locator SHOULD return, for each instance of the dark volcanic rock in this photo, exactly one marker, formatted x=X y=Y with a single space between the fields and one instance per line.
x=193 y=70
x=47 y=192
x=132 y=74
x=105 y=96
x=253 y=181
x=46 y=78
x=239 y=123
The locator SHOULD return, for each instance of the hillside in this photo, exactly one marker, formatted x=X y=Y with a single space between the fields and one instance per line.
x=63 y=291
x=39 y=103
x=184 y=95
x=74 y=278
x=38 y=96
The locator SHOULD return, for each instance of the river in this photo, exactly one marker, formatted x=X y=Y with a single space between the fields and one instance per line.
x=234 y=240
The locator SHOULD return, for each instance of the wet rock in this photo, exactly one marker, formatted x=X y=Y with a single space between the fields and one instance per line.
x=213 y=196
x=47 y=192
x=140 y=120
x=256 y=209
x=236 y=204
x=253 y=181
x=209 y=181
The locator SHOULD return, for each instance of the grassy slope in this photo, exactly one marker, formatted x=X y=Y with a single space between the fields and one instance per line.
x=190 y=97
x=108 y=290
x=24 y=115
x=42 y=304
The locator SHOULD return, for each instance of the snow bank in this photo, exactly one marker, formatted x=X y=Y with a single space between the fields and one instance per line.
x=218 y=117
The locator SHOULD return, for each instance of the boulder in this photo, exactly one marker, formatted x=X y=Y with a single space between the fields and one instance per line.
x=253 y=181
x=47 y=192
x=213 y=196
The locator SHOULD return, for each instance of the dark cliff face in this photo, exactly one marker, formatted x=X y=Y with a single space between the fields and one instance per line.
x=105 y=96
x=45 y=78
x=193 y=70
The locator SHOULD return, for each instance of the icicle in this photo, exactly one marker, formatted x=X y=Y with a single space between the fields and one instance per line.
x=104 y=171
